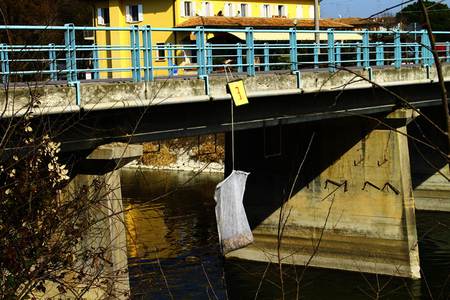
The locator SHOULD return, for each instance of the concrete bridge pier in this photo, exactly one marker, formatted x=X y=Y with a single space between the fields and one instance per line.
x=433 y=194
x=429 y=165
x=99 y=178
x=352 y=206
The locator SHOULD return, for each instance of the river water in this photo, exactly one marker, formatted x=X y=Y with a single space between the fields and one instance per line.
x=174 y=254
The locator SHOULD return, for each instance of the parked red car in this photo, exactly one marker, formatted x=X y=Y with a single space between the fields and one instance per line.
x=441 y=50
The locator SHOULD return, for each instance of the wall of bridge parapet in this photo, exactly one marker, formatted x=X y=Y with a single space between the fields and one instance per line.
x=105 y=95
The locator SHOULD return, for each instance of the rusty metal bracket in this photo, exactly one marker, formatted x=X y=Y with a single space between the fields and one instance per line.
x=383 y=162
x=368 y=183
x=357 y=163
x=345 y=184
x=393 y=188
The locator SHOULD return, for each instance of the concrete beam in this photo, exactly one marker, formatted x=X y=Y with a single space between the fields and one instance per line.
x=107 y=95
x=108 y=158
x=115 y=151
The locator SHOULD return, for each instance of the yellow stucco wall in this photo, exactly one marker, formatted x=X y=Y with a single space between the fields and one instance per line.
x=156 y=14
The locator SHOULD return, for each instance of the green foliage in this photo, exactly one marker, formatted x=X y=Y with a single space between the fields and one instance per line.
x=45 y=12
x=42 y=12
x=439 y=15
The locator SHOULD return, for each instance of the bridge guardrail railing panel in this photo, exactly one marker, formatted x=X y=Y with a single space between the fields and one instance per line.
x=61 y=53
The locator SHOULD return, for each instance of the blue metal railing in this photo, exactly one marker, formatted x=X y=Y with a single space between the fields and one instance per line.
x=145 y=53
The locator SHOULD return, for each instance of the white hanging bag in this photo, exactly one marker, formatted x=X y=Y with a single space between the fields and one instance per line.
x=232 y=224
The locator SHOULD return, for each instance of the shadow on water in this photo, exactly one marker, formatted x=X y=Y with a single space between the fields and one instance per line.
x=173 y=246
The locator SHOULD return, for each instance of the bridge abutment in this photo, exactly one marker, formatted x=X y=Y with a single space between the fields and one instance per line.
x=352 y=207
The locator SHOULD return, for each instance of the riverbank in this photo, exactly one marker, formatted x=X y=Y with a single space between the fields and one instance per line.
x=183 y=163
x=205 y=154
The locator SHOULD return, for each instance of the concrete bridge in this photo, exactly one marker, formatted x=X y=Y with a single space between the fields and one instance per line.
x=354 y=196
x=352 y=207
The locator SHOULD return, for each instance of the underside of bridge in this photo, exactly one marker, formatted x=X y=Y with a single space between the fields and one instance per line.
x=352 y=205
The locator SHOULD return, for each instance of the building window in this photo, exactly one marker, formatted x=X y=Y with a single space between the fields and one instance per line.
x=282 y=11
x=265 y=11
x=134 y=13
x=245 y=10
x=228 y=9
x=160 y=52
x=103 y=16
x=188 y=9
x=311 y=11
x=299 y=13
x=207 y=9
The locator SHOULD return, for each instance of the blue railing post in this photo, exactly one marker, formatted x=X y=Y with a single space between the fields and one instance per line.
x=52 y=62
x=416 y=53
x=71 y=54
x=266 y=58
x=338 y=54
x=447 y=52
x=148 y=53
x=95 y=62
x=426 y=49
x=135 y=53
x=358 y=55
x=201 y=55
x=4 y=60
x=380 y=54
x=239 y=60
x=250 y=45
x=316 y=55
x=170 y=64
x=209 y=58
x=293 y=49
x=397 y=50
x=366 y=49
x=331 y=54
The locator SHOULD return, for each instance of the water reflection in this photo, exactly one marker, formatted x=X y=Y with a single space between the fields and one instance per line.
x=172 y=240
x=173 y=250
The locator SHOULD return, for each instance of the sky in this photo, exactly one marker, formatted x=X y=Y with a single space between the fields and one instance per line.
x=358 y=8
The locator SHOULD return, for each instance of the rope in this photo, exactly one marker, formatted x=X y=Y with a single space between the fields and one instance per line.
x=232 y=117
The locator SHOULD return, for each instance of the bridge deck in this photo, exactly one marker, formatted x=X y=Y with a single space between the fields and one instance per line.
x=145 y=111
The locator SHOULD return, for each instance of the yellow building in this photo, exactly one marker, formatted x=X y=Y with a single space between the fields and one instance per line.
x=183 y=13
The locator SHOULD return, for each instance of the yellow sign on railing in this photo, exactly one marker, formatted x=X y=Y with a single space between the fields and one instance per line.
x=238 y=93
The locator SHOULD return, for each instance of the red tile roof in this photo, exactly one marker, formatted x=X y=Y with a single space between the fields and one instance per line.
x=219 y=21
x=358 y=22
